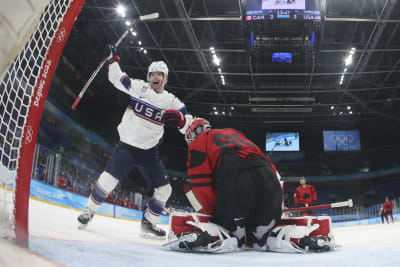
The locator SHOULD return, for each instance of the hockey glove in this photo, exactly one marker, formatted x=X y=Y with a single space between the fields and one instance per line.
x=173 y=118
x=110 y=54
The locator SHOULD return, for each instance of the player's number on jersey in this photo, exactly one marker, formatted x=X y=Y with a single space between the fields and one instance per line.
x=227 y=141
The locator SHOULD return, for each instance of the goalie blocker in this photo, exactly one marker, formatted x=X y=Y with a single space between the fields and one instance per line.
x=195 y=232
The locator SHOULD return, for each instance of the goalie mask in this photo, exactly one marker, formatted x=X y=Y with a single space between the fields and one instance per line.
x=157 y=66
x=196 y=127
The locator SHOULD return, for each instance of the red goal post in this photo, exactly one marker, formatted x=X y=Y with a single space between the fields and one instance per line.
x=23 y=88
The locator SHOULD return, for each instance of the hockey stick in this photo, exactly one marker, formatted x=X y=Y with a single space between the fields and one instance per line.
x=348 y=203
x=91 y=78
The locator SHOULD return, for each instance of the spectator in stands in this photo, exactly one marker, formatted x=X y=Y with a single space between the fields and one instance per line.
x=110 y=198
x=305 y=195
x=61 y=181
x=89 y=189
x=382 y=214
x=68 y=184
x=388 y=207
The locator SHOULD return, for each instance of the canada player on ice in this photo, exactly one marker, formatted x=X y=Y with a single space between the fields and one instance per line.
x=236 y=193
x=151 y=107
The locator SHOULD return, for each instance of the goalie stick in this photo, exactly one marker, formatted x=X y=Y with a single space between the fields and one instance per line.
x=91 y=78
x=348 y=203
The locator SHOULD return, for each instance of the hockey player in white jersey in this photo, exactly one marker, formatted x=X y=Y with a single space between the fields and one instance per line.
x=151 y=108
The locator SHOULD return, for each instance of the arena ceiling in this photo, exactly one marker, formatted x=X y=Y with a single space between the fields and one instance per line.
x=254 y=94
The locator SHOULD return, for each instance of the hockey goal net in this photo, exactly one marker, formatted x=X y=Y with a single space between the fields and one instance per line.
x=24 y=82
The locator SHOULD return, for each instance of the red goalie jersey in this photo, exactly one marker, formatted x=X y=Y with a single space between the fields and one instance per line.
x=209 y=157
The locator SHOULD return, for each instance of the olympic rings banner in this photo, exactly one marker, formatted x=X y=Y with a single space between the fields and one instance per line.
x=347 y=140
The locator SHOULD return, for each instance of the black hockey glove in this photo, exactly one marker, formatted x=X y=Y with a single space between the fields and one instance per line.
x=110 y=54
x=173 y=118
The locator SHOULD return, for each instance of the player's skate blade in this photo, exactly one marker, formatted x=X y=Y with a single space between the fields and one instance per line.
x=84 y=219
x=151 y=231
x=317 y=243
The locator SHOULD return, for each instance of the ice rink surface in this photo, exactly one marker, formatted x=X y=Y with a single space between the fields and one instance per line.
x=56 y=241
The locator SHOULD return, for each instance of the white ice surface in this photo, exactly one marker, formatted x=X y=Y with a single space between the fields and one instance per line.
x=112 y=242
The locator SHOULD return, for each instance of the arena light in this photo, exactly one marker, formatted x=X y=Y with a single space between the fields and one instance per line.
x=128 y=23
x=140 y=42
x=348 y=60
x=216 y=60
x=121 y=10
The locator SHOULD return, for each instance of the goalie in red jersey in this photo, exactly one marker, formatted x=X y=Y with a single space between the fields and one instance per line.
x=236 y=193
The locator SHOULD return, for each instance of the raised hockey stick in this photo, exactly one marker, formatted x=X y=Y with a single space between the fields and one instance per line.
x=348 y=203
x=91 y=78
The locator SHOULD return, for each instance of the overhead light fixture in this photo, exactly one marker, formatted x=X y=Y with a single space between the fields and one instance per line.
x=128 y=23
x=348 y=60
x=121 y=10
x=145 y=51
x=332 y=107
x=348 y=107
x=216 y=60
x=139 y=42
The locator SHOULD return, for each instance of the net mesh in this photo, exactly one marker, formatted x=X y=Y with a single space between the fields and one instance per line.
x=17 y=86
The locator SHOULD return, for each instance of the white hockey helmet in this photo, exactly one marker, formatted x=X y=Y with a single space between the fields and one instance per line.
x=157 y=66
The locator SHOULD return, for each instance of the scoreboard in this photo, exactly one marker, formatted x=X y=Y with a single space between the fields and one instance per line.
x=287 y=14
x=284 y=10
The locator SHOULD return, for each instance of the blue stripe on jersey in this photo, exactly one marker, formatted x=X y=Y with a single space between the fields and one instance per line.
x=126 y=82
x=184 y=110
x=145 y=111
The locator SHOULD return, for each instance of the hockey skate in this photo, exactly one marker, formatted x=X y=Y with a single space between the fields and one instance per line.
x=84 y=219
x=152 y=231
x=316 y=243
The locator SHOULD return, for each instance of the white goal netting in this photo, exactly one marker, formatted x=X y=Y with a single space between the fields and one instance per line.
x=22 y=85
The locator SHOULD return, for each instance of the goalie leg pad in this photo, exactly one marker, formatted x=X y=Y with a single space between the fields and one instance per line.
x=300 y=234
x=194 y=232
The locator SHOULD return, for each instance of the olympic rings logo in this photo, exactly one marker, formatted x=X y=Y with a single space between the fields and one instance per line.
x=28 y=135
x=61 y=35
x=342 y=139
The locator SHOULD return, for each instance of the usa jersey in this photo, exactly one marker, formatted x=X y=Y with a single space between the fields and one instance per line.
x=141 y=124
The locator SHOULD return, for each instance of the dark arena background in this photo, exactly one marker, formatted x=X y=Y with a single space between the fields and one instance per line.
x=314 y=83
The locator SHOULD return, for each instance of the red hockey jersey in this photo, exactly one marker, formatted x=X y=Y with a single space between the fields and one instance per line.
x=388 y=206
x=306 y=195
x=206 y=155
